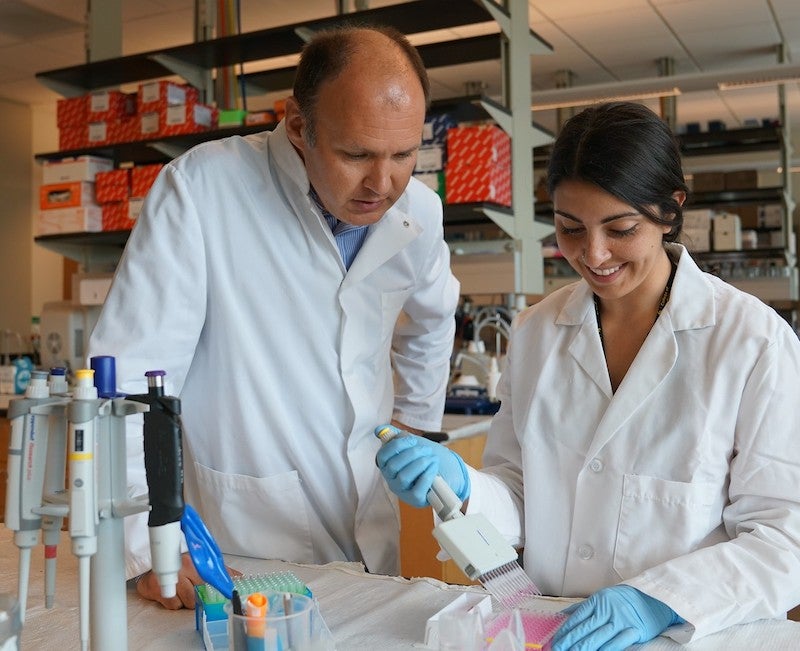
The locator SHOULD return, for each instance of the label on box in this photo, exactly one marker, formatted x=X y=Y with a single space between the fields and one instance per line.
x=98 y=132
x=172 y=93
x=430 y=159
x=150 y=124
x=65 y=195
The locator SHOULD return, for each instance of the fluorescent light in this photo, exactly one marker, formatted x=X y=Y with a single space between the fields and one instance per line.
x=616 y=97
x=664 y=86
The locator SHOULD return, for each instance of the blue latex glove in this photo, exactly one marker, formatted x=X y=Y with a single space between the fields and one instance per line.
x=410 y=463
x=613 y=619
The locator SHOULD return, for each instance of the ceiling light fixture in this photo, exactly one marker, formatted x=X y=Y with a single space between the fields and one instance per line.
x=651 y=87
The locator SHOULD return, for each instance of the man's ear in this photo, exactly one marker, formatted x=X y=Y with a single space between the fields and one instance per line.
x=294 y=123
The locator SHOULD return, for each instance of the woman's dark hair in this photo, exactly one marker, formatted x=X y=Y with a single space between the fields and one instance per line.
x=628 y=151
x=327 y=54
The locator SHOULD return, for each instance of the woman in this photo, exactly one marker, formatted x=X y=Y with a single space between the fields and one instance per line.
x=645 y=452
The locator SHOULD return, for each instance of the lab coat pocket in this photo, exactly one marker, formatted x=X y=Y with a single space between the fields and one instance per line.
x=263 y=517
x=660 y=520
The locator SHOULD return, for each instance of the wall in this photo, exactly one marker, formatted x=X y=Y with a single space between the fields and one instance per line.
x=47 y=267
x=15 y=217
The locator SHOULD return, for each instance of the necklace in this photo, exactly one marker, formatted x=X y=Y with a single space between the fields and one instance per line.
x=661 y=304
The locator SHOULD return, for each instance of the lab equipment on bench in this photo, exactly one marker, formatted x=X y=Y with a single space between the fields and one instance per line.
x=479 y=550
x=82 y=434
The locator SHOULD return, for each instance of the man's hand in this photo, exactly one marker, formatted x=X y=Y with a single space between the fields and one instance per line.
x=147 y=586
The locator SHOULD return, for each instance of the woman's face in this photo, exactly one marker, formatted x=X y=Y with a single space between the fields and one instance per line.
x=609 y=243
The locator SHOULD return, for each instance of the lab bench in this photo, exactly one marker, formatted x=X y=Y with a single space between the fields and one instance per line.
x=363 y=611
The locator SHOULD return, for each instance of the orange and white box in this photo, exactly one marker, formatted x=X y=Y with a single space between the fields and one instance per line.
x=120 y=215
x=478 y=165
x=110 y=105
x=157 y=95
x=81 y=168
x=70 y=138
x=142 y=178
x=114 y=185
x=82 y=219
x=66 y=195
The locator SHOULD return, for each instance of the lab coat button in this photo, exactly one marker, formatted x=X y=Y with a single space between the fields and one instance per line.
x=585 y=552
x=596 y=465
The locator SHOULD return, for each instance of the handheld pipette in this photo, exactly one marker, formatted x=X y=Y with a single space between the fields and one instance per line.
x=54 y=482
x=26 y=460
x=163 y=462
x=83 y=514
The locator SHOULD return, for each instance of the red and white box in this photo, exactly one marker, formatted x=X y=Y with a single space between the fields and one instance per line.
x=114 y=185
x=73 y=137
x=83 y=219
x=66 y=195
x=119 y=215
x=124 y=130
x=176 y=120
x=157 y=95
x=111 y=105
x=259 y=117
x=82 y=168
x=72 y=112
x=142 y=178
x=478 y=165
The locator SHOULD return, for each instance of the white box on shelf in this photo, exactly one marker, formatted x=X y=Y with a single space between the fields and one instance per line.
x=70 y=170
x=80 y=219
x=696 y=239
x=727 y=232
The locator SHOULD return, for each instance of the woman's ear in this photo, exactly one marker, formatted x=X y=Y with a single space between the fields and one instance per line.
x=679 y=196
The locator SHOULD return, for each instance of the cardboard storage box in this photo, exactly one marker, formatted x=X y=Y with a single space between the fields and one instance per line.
x=142 y=177
x=741 y=180
x=478 y=165
x=114 y=185
x=708 y=182
x=157 y=95
x=82 y=168
x=84 y=219
x=66 y=195
x=696 y=239
x=73 y=137
x=727 y=232
x=111 y=105
x=72 y=112
x=119 y=216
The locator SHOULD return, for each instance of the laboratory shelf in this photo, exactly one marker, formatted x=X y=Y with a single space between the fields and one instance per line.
x=90 y=249
x=738 y=255
x=730 y=141
x=434 y=55
x=154 y=150
x=755 y=195
x=408 y=17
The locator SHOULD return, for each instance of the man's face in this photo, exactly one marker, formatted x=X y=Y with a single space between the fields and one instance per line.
x=367 y=135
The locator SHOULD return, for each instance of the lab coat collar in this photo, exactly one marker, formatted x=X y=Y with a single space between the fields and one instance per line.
x=691 y=306
x=396 y=229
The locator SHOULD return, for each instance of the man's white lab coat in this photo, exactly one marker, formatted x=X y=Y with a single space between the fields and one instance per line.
x=685 y=483
x=232 y=283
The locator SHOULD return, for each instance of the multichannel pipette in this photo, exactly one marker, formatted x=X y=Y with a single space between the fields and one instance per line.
x=473 y=542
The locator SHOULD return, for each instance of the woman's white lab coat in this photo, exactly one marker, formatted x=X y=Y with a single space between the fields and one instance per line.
x=232 y=283
x=685 y=483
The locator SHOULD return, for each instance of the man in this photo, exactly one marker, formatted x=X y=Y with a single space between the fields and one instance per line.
x=296 y=288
